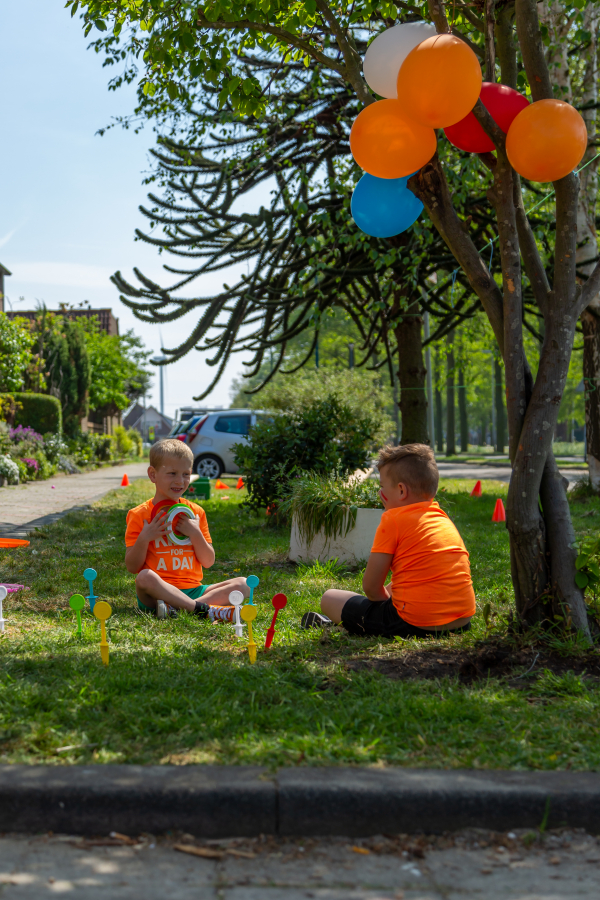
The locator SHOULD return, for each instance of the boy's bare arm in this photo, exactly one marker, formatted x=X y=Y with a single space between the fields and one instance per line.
x=135 y=556
x=203 y=550
x=376 y=572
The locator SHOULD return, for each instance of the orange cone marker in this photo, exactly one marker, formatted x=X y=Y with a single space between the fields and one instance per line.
x=125 y=481
x=499 y=513
x=476 y=492
x=240 y=484
x=220 y=486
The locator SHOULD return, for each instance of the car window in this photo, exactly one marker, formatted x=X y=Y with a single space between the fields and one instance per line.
x=233 y=424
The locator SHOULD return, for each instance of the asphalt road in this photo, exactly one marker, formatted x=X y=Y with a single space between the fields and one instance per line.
x=495 y=473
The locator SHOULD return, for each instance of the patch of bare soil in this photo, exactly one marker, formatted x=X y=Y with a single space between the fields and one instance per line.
x=499 y=660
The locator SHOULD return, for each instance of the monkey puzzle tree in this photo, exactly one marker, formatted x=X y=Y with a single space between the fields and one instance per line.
x=191 y=38
x=303 y=254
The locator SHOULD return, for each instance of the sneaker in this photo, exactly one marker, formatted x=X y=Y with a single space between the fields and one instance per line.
x=161 y=609
x=314 y=620
x=171 y=611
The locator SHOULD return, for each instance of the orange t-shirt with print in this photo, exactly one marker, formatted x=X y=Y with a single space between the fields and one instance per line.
x=178 y=566
x=431 y=575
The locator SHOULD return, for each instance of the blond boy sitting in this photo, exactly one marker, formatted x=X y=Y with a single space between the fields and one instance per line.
x=169 y=578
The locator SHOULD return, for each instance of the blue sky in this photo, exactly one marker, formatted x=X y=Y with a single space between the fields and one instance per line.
x=69 y=198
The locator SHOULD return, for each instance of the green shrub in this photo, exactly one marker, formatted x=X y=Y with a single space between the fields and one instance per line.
x=104 y=447
x=46 y=468
x=39 y=411
x=137 y=442
x=123 y=442
x=321 y=438
x=327 y=502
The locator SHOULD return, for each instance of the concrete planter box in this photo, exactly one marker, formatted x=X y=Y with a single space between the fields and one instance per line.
x=353 y=548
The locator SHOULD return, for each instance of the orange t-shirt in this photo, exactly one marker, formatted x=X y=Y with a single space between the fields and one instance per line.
x=178 y=566
x=431 y=576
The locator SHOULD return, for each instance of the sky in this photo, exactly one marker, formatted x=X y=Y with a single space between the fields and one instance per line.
x=69 y=198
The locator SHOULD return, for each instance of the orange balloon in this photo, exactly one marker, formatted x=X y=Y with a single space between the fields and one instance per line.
x=386 y=144
x=439 y=81
x=546 y=140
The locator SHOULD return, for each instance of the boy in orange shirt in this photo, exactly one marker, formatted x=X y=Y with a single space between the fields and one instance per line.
x=430 y=590
x=170 y=577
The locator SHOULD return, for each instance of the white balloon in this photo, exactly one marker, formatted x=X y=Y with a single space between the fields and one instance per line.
x=387 y=53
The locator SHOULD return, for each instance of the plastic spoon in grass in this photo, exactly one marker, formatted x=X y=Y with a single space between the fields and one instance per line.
x=77 y=603
x=248 y=614
x=252 y=582
x=278 y=601
x=236 y=598
x=103 y=611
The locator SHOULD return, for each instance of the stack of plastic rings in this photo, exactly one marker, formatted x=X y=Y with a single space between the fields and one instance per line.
x=179 y=509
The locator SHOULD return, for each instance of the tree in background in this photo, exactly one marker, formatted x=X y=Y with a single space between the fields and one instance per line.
x=16 y=341
x=118 y=376
x=360 y=391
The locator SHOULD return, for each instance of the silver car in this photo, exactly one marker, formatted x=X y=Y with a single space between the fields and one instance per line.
x=212 y=436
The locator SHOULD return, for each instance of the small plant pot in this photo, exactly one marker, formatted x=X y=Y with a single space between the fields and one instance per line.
x=353 y=548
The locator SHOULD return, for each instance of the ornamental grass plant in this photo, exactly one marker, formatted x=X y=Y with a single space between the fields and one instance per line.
x=328 y=503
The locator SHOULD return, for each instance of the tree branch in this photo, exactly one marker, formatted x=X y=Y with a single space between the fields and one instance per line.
x=285 y=36
x=438 y=16
x=351 y=57
x=431 y=188
x=532 y=49
x=490 y=48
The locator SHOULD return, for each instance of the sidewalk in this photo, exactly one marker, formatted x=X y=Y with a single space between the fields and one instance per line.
x=463 y=866
x=24 y=507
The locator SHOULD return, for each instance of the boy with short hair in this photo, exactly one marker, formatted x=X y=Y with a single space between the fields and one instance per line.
x=431 y=589
x=170 y=577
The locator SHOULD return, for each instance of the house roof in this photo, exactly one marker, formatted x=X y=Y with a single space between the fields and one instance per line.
x=137 y=411
x=4 y=270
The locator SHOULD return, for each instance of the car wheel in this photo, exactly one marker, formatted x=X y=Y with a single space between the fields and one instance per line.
x=208 y=466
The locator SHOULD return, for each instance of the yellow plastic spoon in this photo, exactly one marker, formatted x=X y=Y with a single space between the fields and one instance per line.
x=103 y=612
x=248 y=614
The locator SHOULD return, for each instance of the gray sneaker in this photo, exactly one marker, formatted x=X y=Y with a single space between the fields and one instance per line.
x=314 y=620
x=161 y=609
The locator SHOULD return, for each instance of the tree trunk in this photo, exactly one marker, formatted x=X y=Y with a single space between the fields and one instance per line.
x=499 y=404
x=591 y=380
x=587 y=251
x=450 y=421
x=462 y=412
x=412 y=377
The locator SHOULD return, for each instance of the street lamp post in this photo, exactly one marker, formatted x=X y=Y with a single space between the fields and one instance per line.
x=157 y=360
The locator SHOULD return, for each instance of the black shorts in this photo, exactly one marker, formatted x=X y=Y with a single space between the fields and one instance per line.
x=380 y=618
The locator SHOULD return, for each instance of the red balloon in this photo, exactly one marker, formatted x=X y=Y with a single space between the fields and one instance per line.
x=503 y=103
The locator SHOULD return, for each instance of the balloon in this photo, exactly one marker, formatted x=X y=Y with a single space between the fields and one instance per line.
x=383 y=207
x=546 y=140
x=502 y=102
x=387 y=53
x=386 y=144
x=439 y=81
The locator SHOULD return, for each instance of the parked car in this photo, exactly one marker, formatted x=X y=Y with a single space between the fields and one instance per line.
x=212 y=436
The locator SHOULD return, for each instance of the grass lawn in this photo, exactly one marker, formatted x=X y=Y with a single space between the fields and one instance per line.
x=183 y=690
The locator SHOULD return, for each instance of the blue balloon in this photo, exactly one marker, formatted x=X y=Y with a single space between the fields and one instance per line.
x=384 y=207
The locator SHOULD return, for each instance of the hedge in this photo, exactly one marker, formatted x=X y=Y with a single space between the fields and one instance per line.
x=39 y=411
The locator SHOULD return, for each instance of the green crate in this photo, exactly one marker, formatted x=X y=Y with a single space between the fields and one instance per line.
x=199 y=489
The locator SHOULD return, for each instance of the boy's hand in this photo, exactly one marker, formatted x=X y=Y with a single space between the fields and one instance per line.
x=189 y=527
x=156 y=528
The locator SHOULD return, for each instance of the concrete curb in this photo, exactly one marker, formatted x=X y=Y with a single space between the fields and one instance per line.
x=220 y=801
